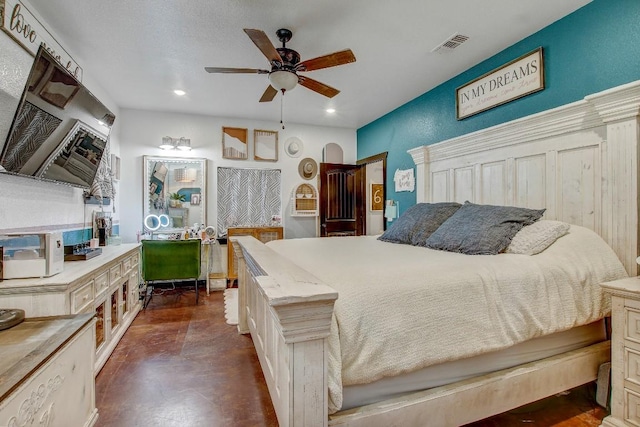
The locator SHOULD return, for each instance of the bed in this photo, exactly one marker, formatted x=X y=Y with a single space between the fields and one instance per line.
x=579 y=162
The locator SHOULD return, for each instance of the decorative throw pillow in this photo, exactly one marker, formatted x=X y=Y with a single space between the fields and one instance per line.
x=537 y=237
x=481 y=229
x=422 y=218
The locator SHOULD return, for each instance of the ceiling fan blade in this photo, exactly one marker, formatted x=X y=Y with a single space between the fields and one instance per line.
x=330 y=60
x=264 y=44
x=235 y=70
x=316 y=86
x=269 y=94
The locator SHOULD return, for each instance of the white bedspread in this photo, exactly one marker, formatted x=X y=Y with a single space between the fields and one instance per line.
x=401 y=308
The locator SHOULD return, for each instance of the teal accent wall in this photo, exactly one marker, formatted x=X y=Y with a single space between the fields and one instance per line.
x=75 y=237
x=593 y=49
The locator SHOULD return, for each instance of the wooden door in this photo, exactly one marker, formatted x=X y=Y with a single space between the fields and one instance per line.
x=341 y=200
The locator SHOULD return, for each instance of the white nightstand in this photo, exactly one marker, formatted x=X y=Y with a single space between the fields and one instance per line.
x=625 y=352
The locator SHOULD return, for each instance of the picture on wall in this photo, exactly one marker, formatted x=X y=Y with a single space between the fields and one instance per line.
x=234 y=143
x=39 y=70
x=59 y=89
x=265 y=145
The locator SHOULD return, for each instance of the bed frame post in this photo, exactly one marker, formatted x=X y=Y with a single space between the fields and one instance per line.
x=288 y=313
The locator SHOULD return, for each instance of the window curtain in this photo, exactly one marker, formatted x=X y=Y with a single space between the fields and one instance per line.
x=247 y=197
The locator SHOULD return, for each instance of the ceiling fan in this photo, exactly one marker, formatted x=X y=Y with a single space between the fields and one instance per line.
x=285 y=65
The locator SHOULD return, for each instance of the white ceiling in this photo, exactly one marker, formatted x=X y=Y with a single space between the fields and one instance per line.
x=141 y=50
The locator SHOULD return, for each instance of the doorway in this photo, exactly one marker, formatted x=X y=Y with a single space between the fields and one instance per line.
x=345 y=206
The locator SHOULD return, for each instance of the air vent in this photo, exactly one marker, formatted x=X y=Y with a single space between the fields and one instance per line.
x=451 y=43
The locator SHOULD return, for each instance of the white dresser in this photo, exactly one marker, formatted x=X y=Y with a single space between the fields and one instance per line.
x=46 y=373
x=106 y=286
x=625 y=352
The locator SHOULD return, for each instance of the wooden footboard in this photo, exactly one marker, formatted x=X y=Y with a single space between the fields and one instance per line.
x=288 y=313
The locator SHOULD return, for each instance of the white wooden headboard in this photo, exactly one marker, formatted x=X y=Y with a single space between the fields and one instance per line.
x=579 y=161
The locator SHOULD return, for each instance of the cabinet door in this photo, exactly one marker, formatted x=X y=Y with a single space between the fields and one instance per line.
x=101 y=319
x=114 y=306
x=125 y=305
x=268 y=234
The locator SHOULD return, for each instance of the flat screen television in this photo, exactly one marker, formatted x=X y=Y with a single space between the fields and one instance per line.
x=60 y=130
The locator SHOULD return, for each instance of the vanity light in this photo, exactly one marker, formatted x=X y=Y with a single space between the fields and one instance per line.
x=167 y=143
x=182 y=143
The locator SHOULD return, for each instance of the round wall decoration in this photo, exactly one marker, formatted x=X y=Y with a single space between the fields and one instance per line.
x=308 y=168
x=293 y=146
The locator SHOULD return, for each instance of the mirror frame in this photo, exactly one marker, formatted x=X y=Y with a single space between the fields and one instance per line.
x=201 y=181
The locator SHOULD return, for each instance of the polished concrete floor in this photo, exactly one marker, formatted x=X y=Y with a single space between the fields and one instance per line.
x=181 y=365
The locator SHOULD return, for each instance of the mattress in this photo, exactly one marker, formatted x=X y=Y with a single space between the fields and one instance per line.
x=402 y=308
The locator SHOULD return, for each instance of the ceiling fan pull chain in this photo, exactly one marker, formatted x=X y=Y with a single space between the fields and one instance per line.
x=281 y=107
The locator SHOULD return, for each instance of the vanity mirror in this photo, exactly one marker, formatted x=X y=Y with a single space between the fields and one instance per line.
x=175 y=194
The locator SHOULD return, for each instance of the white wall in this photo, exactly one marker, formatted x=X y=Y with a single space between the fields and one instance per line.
x=141 y=133
x=27 y=204
x=30 y=205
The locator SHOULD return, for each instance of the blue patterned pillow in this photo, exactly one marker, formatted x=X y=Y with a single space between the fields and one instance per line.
x=481 y=229
x=418 y=222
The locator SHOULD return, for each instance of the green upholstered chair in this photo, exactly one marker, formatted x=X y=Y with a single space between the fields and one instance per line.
x=170 y=261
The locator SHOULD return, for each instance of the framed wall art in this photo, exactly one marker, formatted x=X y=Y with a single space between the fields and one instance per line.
x=265 y=145
x=234 y=143
x=39 y=69
x=59 y=89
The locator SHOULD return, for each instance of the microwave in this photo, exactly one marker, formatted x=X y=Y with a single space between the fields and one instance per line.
x=31 y=254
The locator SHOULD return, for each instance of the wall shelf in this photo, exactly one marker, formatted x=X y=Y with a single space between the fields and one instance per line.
x=304 y=200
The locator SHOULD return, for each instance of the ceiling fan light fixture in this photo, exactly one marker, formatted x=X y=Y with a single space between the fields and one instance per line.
x=283 y=80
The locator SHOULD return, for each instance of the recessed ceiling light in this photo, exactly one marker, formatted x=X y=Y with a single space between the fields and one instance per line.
x=331 y=110
x=179 y=92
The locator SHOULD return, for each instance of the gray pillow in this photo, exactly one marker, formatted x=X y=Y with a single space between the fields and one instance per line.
x=418 y=222
x=481 y=229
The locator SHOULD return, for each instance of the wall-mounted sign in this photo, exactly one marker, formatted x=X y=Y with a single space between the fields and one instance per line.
x=405 y=180
x=514 y=80
x=24 y=27
x=377 y=197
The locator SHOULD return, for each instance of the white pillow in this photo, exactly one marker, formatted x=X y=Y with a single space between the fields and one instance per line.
x=535 y=238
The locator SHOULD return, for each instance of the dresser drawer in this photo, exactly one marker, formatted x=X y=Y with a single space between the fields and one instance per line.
x=115 y=273
x=632 y=321
x=81 y=297
x=126 y=265
x=632 y=403
x=632 y=366
x=101 y=283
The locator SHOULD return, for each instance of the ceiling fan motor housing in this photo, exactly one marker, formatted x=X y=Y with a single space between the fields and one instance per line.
x=289 y=57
